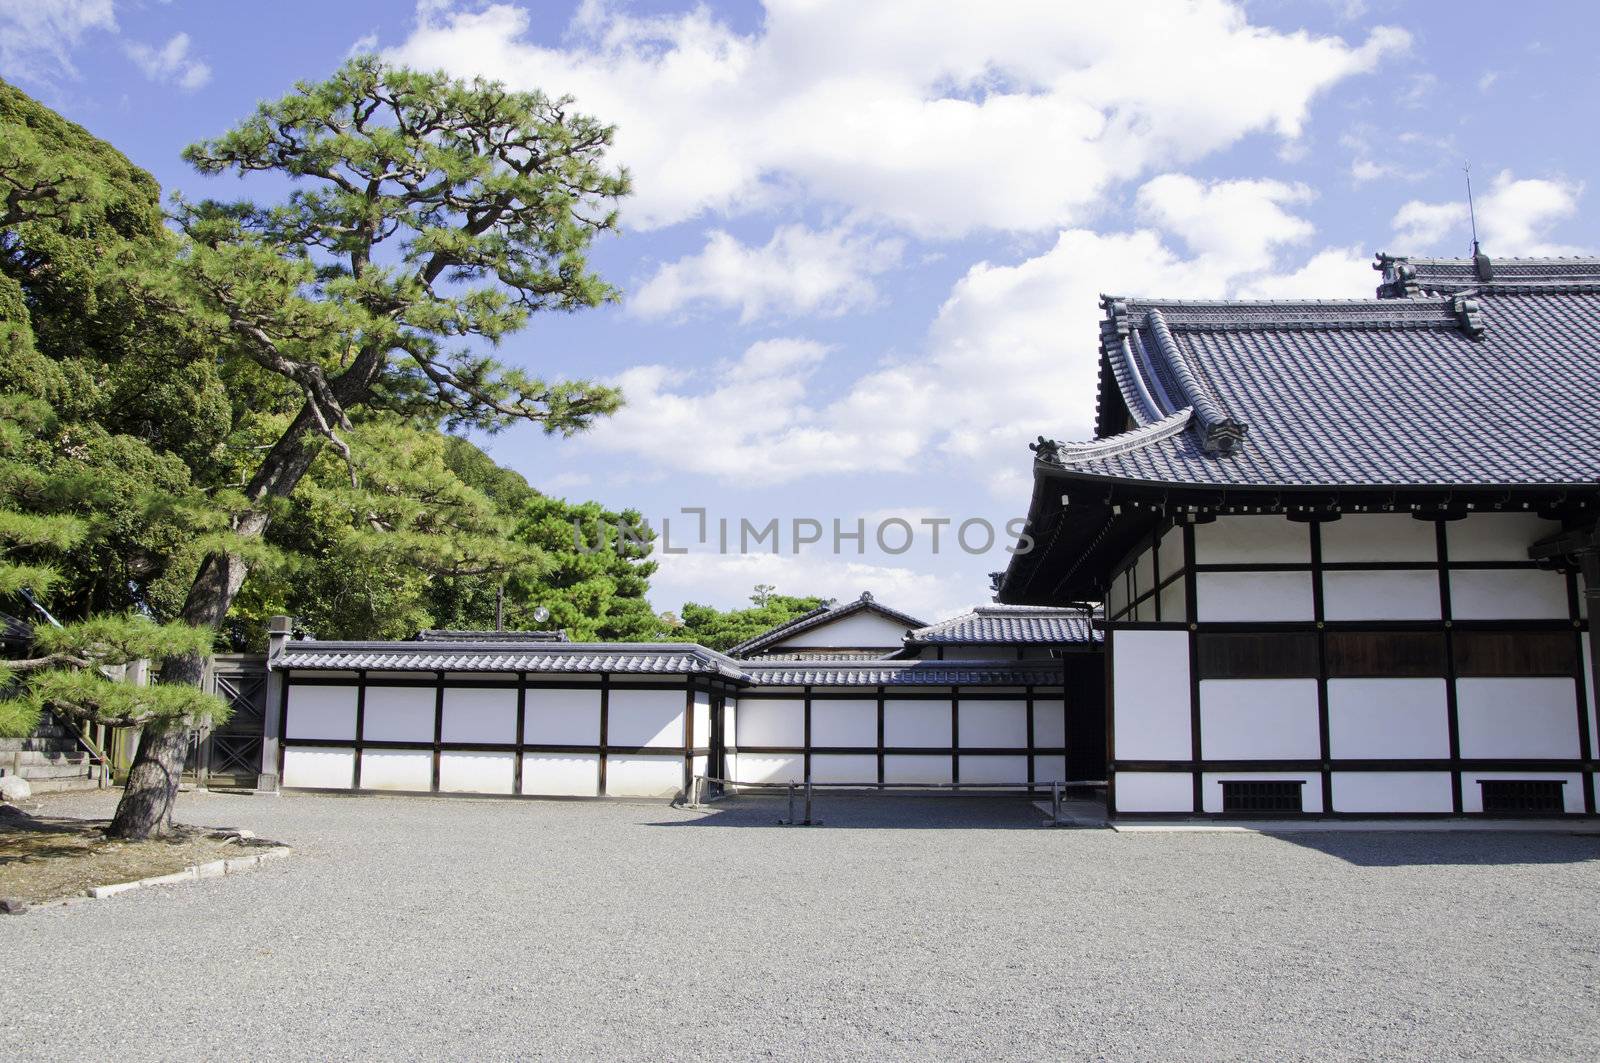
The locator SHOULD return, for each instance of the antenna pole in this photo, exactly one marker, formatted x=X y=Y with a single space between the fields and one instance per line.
x=1472 y=213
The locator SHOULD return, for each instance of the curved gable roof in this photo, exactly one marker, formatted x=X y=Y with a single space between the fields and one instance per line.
x=821 y=616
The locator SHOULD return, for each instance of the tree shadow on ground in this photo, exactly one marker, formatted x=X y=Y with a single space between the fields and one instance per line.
x=833 y=810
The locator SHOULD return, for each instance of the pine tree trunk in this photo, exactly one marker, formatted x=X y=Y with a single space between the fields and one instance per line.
x=145 y=810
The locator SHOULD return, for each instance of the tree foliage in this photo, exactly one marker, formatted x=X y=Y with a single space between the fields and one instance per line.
x=722 y=629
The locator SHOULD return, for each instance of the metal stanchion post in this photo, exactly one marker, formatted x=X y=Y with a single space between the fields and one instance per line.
x=808 y=801
x=1055 y=803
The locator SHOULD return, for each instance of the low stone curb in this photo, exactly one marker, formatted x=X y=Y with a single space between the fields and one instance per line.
x=270 y=852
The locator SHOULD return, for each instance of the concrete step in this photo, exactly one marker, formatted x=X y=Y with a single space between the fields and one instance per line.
x=30 y=757
x=55 y=786
x=34 y=772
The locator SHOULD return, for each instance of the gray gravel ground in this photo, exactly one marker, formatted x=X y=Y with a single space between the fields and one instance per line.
x=906 y=928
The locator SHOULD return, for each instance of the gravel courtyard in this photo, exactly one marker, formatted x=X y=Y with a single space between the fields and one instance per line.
x=906 y=928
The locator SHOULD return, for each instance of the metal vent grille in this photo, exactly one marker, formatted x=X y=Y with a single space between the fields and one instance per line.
x=1262 y=796
x=1523 y=796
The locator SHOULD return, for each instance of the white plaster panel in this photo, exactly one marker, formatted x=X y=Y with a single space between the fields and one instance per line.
x=561 y=774
x=1049 y=769
x=864 y=630
x=1517 y=717
x=1588 y=684
x=1392 y=595
x=1244 y=719
x=478 y=715
x=643 y=776
x=409 y=770
x=318 y=767
x=477 y=772
x=1379 y=537
x=557 y=717
x=764 y=722
x=1496 y=536
x=1211 y=786
x=844 y=767
x=702 y=719
x=1472 y=793
x=916 y=723
x=850 y=722
x=1117 y=597
x=1254 y=596
x=645 y=718
x=1508 y=594
x=769 y=767
x=1391 y=791
x=994 y=724
x=397 y=714
x=1174 y=602
x=1150 y=689
x=1252 y=540
x=1144 y=572
x=1049 y=723
x=1171 y=552
x=1003 y=771
x=1154 y=791
x=730 y=723
x=322 y=712
x=1385 y=719
x=924 y=768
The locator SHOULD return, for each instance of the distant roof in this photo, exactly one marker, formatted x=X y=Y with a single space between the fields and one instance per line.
x=904 y=673
x=448 y=635
x=674 y=658
x=1008 y=625
x=822 y=614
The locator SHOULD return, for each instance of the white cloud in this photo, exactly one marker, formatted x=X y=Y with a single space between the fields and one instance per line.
x=1011 y=354
x=170 y=63
x=942 y=118
x=726 y=581
x=1515 y=217
x=37 y=36
x=798 y=271
x=1486 y=82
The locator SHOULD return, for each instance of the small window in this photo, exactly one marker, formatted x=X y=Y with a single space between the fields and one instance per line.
x=1277 y=795
x=1523 y=797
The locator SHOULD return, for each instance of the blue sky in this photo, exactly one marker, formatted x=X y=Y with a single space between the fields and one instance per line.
x=863 y=260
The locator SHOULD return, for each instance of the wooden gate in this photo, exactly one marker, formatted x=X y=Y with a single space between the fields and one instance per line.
x=230 y=755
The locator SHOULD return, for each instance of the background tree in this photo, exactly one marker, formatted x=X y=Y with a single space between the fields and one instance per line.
x=720 y=630
x=431 y=217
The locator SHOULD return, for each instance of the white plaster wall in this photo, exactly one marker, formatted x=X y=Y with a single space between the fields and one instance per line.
x=1171 y=552
x=477 y=772
x=1379 y=537
x=926 y=768
x=1252 y=540
x=769 y=767
x=730 y=723
x=645 y=718
x=1496 y=536
x=1049 y=769
x=1254 y=596
x=862 y=630
x=1154 y=791
x=1259 y=718
x=643 y=775
x=1150 y=690
x=844 y=723
x=1117 y=596
x=1384 y=719
x=994 y=724
x=1174 y=602
x=562 y=718
x=1049 y=723
x=844 y=767
x=1144 y=572
x=1508 y=594
x=322 y=712
x=1004 y=771
x=702 y=719
x=318 y=767
x=1211 y=787
x=1588 y=684
x=774 y=722
x=397 y=769
x=479 y=715
x=1472 y=793
x=916 y=723
x=561 y=774
x=397 y=714
x=1521 y=717
x=1391 y=791
x=1392 y=595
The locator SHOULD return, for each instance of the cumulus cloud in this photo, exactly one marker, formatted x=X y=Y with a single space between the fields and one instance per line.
x=171 y=63
x=1515 y=217
x=798 y=271
x=37 y=36
x=942 y=118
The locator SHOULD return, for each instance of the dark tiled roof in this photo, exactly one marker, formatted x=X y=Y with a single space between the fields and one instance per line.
x=1497 y=387
x=1008 y=625
x=905 y=673
x=449 y=635
x=670 y=658
x=824 y=655
x=822 y=614
x=1411 y=277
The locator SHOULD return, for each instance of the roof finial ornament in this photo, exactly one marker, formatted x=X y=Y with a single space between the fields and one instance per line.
x=1480 y=261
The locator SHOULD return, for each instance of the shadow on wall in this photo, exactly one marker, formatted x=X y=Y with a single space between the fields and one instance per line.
x=1463 y=848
